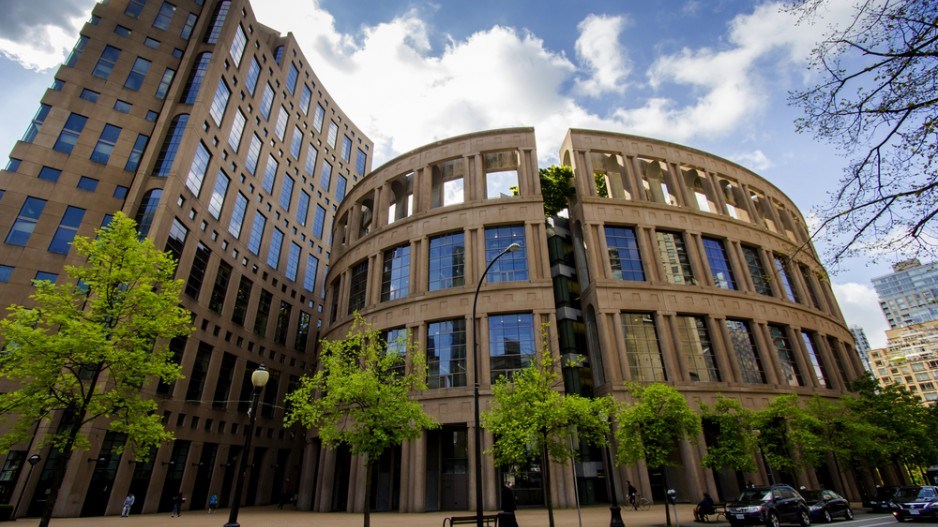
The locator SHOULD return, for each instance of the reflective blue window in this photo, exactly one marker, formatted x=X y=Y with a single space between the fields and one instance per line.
x=282 y=119
x=309 y=279
x=361 y=161
x=122 y=106
x=273 y=252
x=720 y=268
x=5 y=273
x=302 y=208
x=237 y=215
x=43 y=276
x=121 y=30
x=340 y=184
x=237 y=130
x=296 y=142
x=319 y=221
x=254 y=72
x=187 y=28
x=305 y=97
x=120 y=191
x=267 y=101
x=346 y=148
x=106 y=62
x=148 y=205
x=165 y=16
x=76 y=51
x=237 y=46
x=218 y=22
x=395 y=275
x=743 y=345
x=311 y=155
x=89 y=95
x=87 y=183
x=133 y=161
x=217 y=202
x=623 y=254
x=49 y=174
x=67 y=230
x=270 y=174
x=137 y=74
x=325 y=178
x=781 y=266
x=512 y=266
x=165 y=82
x=319 y=117
x=106 y=143
x=151 y=43
x=511 y=343
x=292 y=75
x=13 y=164
x=152 y=116
x=191 y=89
x=286 y=192
x=333 y=134
x=70 y=133
x=134 y=8
x=164 y=161
x=293 y=261
x=25 y=221
x=198 y=169
x=257 y=232
x=36 y=123
x=254 y=153
x=446 y=353
x=447 y=261
x=220 y=102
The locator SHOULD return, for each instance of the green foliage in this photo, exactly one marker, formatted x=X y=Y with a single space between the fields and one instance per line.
x=87 y=346
x=555 y=188
x=786 y=434
x=361 y=397
x=651 y=428
x=734 y=444
x=602 y=189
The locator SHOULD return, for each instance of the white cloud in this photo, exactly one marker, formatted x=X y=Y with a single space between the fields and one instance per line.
x=755 y=160
x=599 y=49
x=860 y=306
x=38 y=34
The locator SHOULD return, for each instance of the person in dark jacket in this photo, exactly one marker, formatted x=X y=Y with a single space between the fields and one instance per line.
x=507 y=517
x=704 y=508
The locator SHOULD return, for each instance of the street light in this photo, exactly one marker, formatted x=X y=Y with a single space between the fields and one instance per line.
x=475 y=391
x=32 y=460
x=259 y=380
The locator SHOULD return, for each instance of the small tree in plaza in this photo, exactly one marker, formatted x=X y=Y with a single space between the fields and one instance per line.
x=531 y=418
x=85 y=350
x=733 y=444
x=361 y=397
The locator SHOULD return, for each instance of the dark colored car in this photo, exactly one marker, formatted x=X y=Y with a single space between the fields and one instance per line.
x=769 y=506
x=825 y=505
x=916 y=503
x=882 y=501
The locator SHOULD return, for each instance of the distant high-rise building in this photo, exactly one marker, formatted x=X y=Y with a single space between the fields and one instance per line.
x=863 y=345
x=909 y=295
x=910 y=359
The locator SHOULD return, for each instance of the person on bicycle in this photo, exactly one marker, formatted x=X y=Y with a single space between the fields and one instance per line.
x=632 y=494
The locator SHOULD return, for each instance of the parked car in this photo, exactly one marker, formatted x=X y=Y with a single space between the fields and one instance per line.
x=914 y=503
x=825 y=505
x=769 y=506
x=882 y=501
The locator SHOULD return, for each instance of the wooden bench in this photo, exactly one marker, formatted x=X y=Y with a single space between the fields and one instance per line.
x=719 y=511
x=491 y=520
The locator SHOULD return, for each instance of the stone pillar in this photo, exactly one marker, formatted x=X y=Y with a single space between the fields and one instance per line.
x=307 y=490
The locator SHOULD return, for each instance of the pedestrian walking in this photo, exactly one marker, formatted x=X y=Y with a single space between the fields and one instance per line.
x=178 y=500
x=212 y=503
x=128 y=503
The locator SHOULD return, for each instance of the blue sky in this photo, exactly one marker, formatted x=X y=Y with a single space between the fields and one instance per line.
x=711 y=74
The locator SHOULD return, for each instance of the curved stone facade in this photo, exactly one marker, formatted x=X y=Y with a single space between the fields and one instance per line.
x=673 y=265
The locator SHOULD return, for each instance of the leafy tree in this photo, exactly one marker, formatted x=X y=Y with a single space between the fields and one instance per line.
x=555 y=188
x=785 y=436
x=602 y=188
x=531 y=418
x=877 y=100
x=86 y=348
x=733 y=445
x=361 y=397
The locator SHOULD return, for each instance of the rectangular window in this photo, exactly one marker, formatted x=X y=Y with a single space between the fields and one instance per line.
x=198 y=169
x=819 y=370
x=123 y=106
x=719 y=262
x=237 y=215
x=106 y=143
x=361 y=161
x=512 y=266
x=642 y=351
x=358 y=287
x=446 y=353
x=283 y=322
x=165 y=82
x=33 y=129
x=674 y=258
x=89 y=95
x=750 y=367
x=282 y=119
x=292 y=76
x=760 y=278
x=346 y=148
x=106 y=62
x=133 y=160
x=318 y=118
x=216 y=302
x=237 y=130
x=447 y=265
x=87 y=183
x=305 y=97
x=49 y=174
x=237 y=46
x=43 y=276
x=137 y=74
x=263 y=313
x=165 y=16
x=446 y=183
x=220 y=102
x=70 y=133
x=340 y=184
x=197 y=271
x=199 y=373
x=333 y=134
x=311 y=155
x=395 y=277
x=785 y=278
x=270 y=174
x=501 y=173
x=5 y=273
x=302 y=331
x=624 y=258
x=267 y=101
x=325 y=177
x=286 y=192
x=296 y=142
x=695 y=343
x=257 y=233
x=273 y=252
x=121 y=31
x=151 y=43
x=177 y=238
x=786 y=356
x=217 y=201
x=134 y=7
x=319 y=221
x=223 y=384
x=293 y=261
x=309 y=278
x=254 y=72
x=13 y=164
x=302 y=208
x=241 y=301
x=254 y=153
x=76 y=51
x=511 y=343
x=67 y=230
x=811 y=286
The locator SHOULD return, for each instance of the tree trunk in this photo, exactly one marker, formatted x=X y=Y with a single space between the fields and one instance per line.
x=545 y=469
x=368 y=491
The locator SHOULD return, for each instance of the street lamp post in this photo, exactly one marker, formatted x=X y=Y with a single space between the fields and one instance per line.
x=475 y=391
x=258 y=380
x=32 y=460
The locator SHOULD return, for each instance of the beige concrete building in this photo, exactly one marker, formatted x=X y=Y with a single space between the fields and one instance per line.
x=910 y=359
x=671 y=265
x=215 y=133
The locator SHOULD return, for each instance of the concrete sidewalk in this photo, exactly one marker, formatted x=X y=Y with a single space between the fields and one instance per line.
x=270 y=516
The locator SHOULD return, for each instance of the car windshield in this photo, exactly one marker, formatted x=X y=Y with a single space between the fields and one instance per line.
x=756 y=495
x=906 y=493
x=811 y=495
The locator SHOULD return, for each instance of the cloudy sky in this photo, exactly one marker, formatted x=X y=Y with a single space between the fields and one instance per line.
x=711 y=74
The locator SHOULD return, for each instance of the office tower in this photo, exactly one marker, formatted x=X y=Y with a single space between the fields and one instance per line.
x=213 y=132
x=863 y=346
x=909 y=295
x=910 y=359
